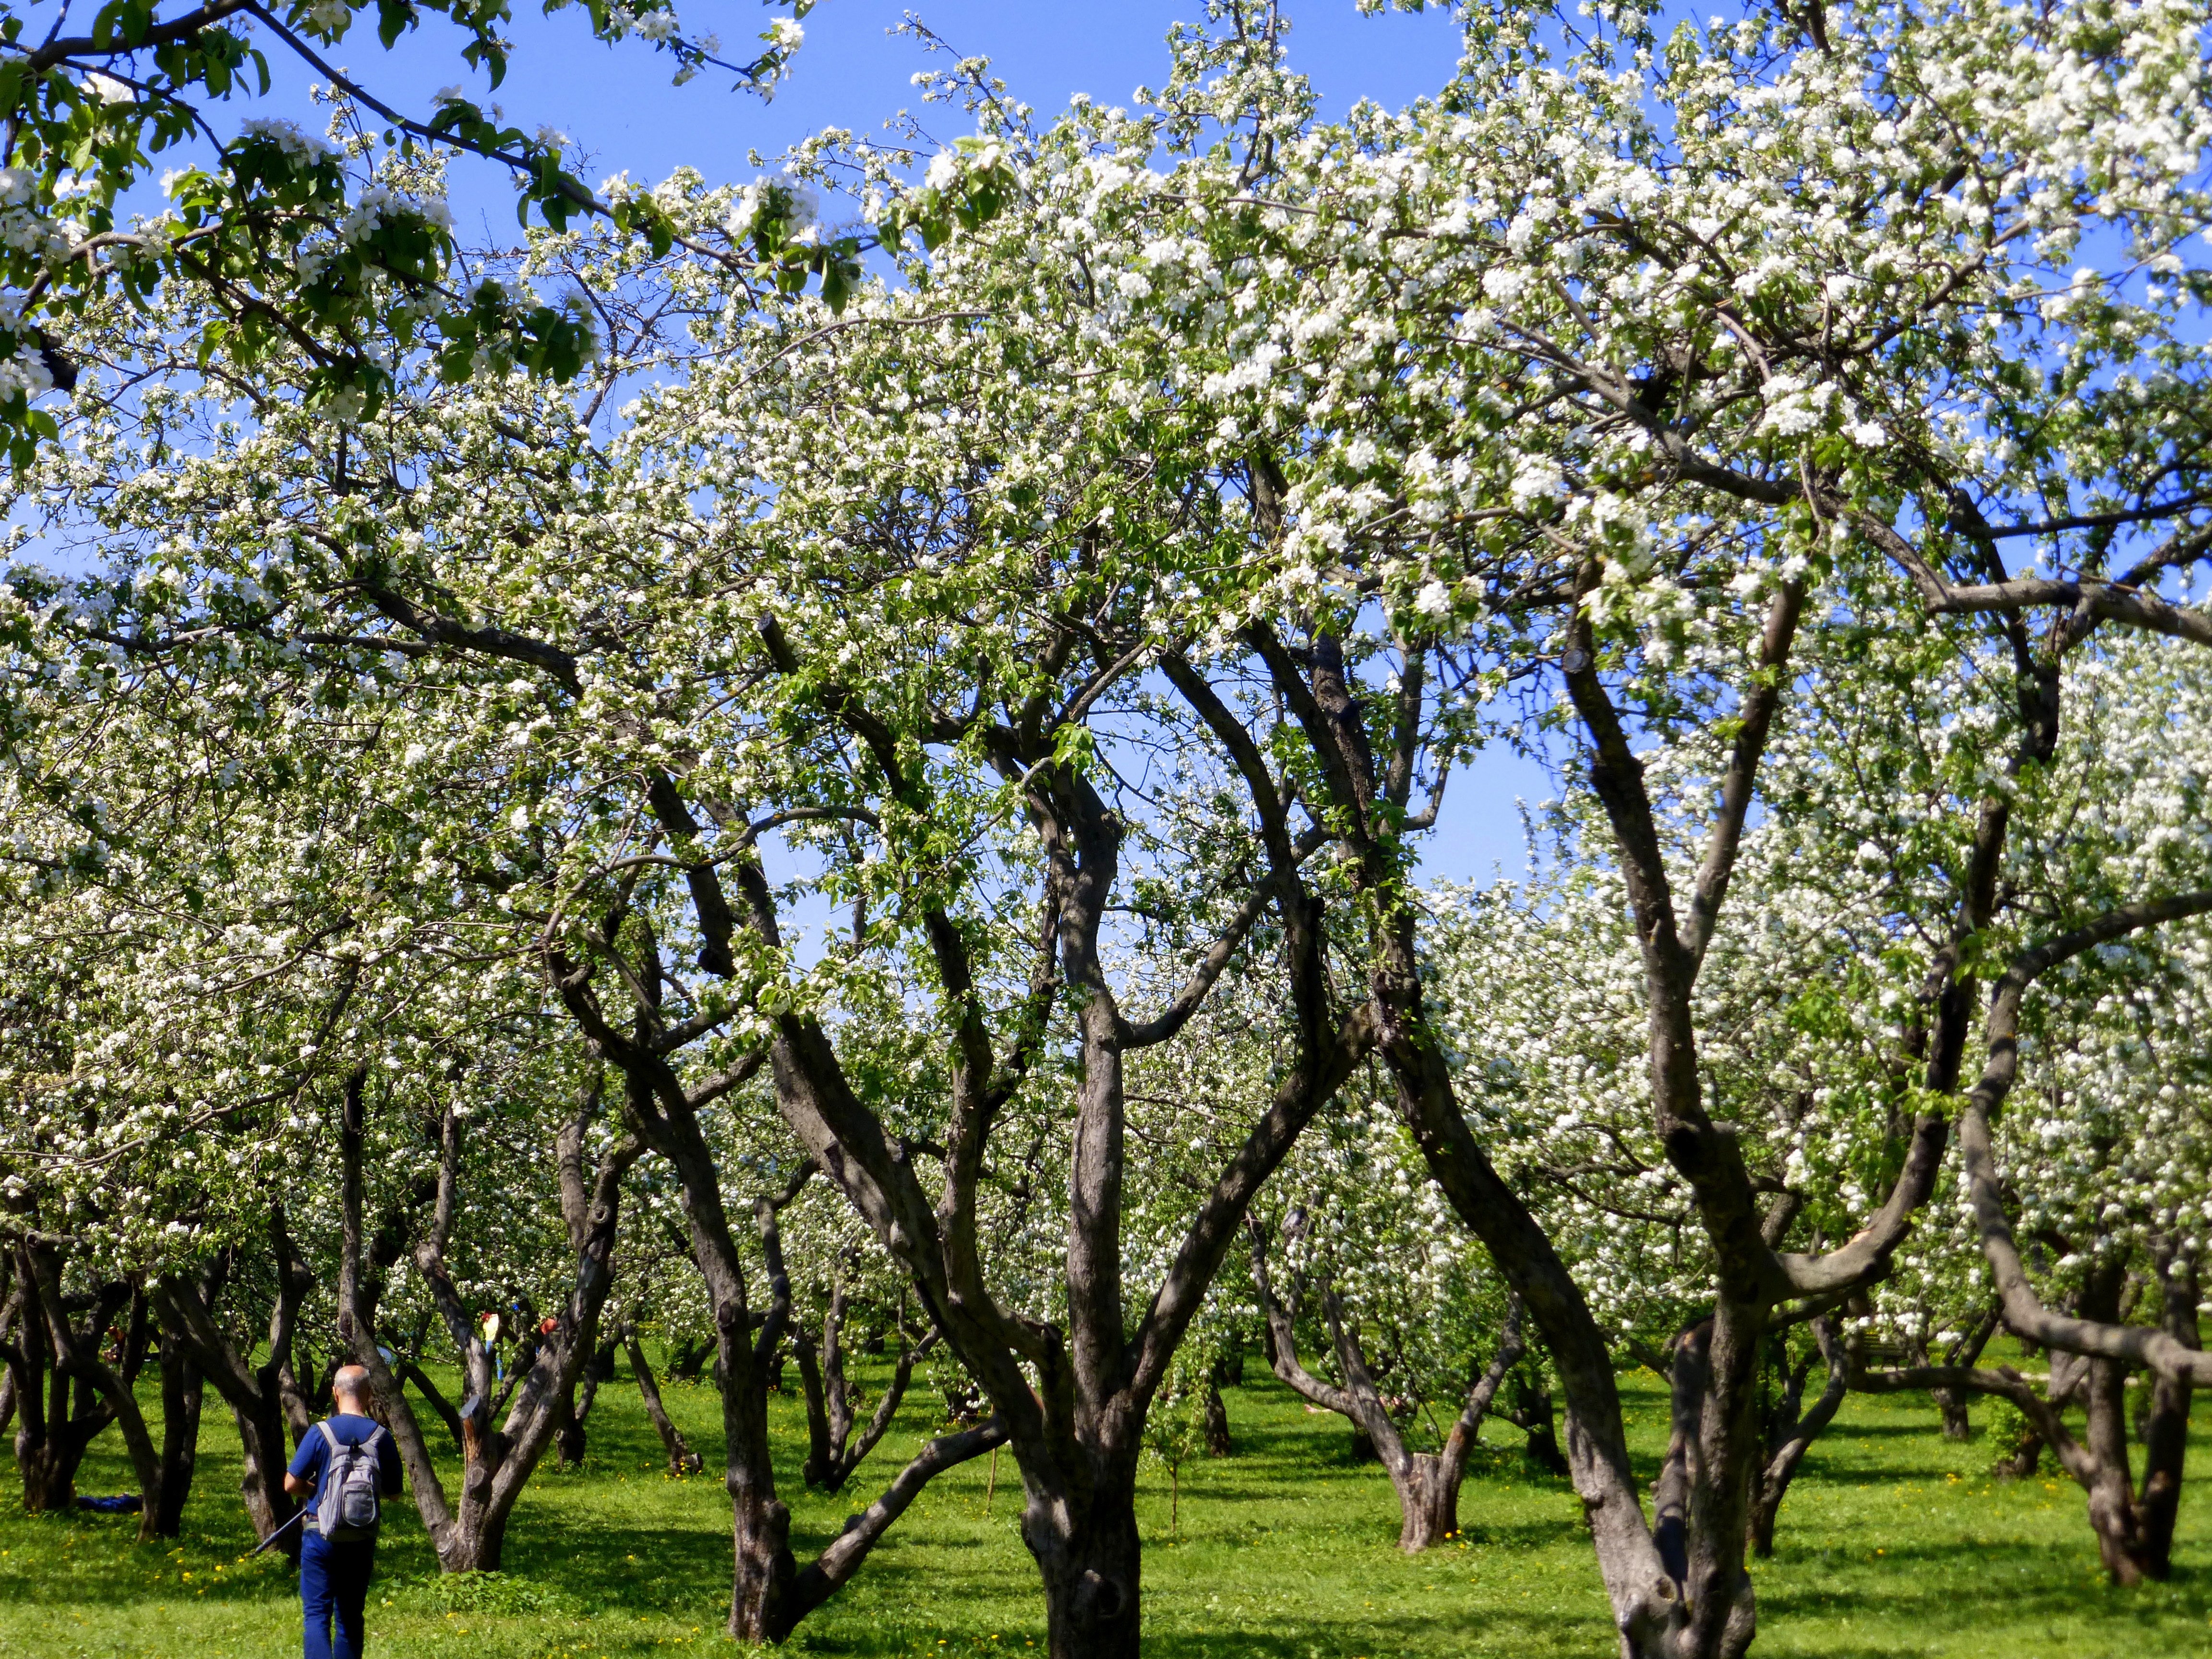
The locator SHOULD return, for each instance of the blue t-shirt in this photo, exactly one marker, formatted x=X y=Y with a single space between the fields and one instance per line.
x=314 y=1455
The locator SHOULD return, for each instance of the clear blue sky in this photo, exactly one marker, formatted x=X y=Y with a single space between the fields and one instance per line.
x=617 y=104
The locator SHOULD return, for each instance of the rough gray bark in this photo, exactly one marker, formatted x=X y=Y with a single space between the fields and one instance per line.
x=2133 y=1544
x=2134 y=1525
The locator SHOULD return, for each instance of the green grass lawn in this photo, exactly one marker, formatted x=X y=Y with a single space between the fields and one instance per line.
x=1893 y=1543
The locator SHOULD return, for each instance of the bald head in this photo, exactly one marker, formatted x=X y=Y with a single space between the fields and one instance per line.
x=348 y=1386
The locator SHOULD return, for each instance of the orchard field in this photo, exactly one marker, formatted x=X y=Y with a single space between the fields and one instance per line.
x=1900 y=1545
x=1487 y=734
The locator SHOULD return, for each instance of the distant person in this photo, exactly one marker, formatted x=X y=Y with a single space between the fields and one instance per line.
x=343 y=1470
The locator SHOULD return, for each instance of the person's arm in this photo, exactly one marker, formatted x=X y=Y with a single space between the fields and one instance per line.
x=306 y=1465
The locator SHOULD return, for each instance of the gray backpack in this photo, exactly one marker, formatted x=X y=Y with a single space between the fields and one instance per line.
x=347 y=1504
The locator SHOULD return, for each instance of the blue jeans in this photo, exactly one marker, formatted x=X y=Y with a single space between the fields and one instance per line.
x=334 y=1580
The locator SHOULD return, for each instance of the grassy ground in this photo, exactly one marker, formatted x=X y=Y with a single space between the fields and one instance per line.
x=1893 y=1543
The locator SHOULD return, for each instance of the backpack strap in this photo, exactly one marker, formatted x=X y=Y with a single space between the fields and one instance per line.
x=325 y=1484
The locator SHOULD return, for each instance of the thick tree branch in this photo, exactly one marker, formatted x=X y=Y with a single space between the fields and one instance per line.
x=2149 y=1346
x=485 y=641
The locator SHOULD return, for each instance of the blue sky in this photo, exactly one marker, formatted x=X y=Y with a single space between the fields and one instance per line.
x=617 y=107
x=615 y=102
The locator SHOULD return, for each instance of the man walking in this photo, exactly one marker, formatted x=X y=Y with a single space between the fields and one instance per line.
x=343 y=1468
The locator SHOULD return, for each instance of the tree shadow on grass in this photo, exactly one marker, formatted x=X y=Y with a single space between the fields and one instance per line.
x=633 y=1568
x=1882 y=1430
x=1220 y=1487
x=1293 y=1445
x=1834 y=1473
x=94 y=1550
x=1401 y=1629
x=1522 y=1534
x=893 y=1622
x=1938 y=1589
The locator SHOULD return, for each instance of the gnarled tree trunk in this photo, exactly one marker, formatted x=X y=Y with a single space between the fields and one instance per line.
x=1966 y=1350
x=1091 y=1561
x=2134 y=1526
x=260 y=1397
x=1529 y=1409
x=52 y=1434
x=1070 y=1404
x=2166 y=1429
x=1427 y=1483
x=571 y=1439
x=498 y=1455
x=2134 y=1532
x=181 y=1395
x=180 y=1434
x=769 y=1592
x=1217 y=1442
x=1678 y=1582
x=1791 y=1432
x=832 y=1454
x=75 y=1355
x=682 y=1460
